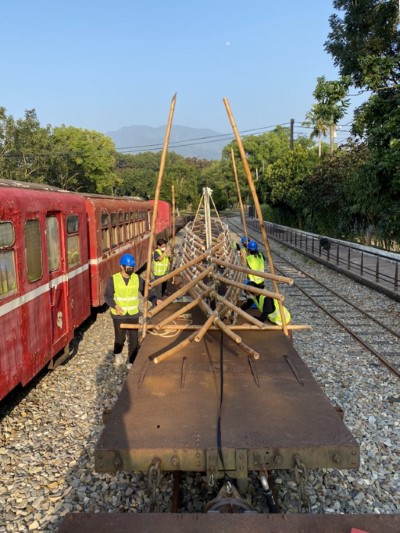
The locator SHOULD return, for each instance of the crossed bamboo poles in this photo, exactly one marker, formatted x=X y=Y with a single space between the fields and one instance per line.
x=200 y=261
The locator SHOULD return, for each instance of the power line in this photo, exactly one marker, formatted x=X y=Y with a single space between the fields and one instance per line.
x=204 y=140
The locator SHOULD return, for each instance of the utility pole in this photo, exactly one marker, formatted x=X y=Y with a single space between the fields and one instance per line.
x=332 y=129
x=291 y=133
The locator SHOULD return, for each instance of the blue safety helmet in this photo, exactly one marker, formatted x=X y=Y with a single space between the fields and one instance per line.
x=127 y=260
x=243 y=239
x=252 y=246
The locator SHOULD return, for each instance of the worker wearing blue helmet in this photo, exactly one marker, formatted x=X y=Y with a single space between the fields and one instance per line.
x=255 y=261
x=122 y=297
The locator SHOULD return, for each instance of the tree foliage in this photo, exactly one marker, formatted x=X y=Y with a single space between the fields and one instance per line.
x=70 y=158
x=287 y=178
x=83 y=160
x=365 y=45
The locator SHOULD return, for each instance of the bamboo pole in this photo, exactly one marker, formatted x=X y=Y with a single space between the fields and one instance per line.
x=198 y=210
x=239 y=195
x=265 y=275
x=204 y=328
x=178 y=293
x=257 y=207
x=208 y=311
x=238 y=310
x=249 y=288
x=252 y=353
x=183 y=310
x=218 y=322
x=236 y=327
x=181 y=268
x=175 y=349
x=173 y=226
x=155 y=212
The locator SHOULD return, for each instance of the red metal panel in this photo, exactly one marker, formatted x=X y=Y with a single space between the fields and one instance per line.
x=105 y=264
x=163 y=223
x=37 y=321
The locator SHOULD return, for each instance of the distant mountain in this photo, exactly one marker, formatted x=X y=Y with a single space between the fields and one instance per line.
x=189 y=142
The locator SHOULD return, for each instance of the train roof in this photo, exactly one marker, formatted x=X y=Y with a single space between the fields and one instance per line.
x=50 y=188
x=32 y=186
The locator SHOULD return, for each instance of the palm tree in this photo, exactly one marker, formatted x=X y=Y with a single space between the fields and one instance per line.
x=320 y=127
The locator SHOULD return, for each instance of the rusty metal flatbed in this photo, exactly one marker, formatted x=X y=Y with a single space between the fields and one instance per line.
x=272 y=410
x=229 y=523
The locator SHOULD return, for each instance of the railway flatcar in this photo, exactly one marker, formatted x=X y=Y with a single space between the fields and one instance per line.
x=57 y=250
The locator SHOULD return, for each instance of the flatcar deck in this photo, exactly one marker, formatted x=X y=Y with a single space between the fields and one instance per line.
x=231 y=523
x=272 y=410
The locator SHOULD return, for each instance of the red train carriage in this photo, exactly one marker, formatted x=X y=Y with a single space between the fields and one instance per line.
x=164 y=222
x=43 y=275
x=57 y=250
x=116 y=226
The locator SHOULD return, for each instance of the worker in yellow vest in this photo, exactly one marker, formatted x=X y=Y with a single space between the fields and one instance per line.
x=255 y=260
x=160 y=266
x=122 y=297
x=268 y=307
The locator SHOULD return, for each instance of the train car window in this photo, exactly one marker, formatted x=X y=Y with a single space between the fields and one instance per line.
x=121 y=234
x=33 y=247
x=121 y=238
x=105 y=232
x=114 y=230
x=73 y=249
x=7 y=234
x=131 y=225
x=126 y=217
x=8 y=283
x=72 y=224
x=53 y=243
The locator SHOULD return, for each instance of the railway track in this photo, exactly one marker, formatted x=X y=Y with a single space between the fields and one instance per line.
x=374 y=335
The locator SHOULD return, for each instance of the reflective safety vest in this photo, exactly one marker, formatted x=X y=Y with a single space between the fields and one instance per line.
x=260 y=302
x=126 y=295
x=255 y=262
x=275 y=317
x=160 y=268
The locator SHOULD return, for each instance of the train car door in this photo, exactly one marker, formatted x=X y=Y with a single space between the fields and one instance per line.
x=58 y=281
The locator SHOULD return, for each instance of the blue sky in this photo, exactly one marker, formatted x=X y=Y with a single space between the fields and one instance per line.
x=103 y=65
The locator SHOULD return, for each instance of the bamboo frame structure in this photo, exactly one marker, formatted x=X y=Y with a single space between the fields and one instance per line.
x=210 y=269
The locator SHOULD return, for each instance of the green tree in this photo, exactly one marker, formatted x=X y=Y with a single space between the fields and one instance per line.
x=137 y=173
x=330 y=203
x=219 y=177
x=320 y=127
x=25 y=147
x=365 y=44
x=287 y=178
x=331 y=104
x=83 y=160
x=183 y=174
